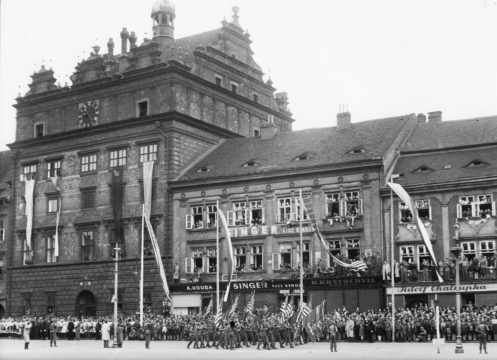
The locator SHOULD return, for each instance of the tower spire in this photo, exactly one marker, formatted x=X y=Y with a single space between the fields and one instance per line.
x=163 y=15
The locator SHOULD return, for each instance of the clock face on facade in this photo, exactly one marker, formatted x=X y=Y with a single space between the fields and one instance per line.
x=88 y=114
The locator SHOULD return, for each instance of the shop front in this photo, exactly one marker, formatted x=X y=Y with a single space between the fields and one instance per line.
x=352 y=292
x=477 y=294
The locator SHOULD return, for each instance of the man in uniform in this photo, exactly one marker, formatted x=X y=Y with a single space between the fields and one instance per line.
x=482 y=334
x=332 y=331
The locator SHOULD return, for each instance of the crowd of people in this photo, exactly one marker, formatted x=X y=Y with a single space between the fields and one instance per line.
x=265 y=329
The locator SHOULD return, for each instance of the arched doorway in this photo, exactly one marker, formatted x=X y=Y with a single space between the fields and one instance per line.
x=86 y=305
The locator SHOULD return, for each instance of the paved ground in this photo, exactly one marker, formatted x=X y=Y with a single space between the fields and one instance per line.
x=164 y=350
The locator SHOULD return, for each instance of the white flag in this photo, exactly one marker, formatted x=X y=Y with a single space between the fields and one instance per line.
x=28 y=196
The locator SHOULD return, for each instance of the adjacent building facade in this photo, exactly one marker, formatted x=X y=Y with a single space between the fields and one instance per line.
x=166 y=100
x=256 y=183
x=449 y=169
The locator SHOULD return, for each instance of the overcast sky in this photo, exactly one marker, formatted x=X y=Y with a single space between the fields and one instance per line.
x=379 y=57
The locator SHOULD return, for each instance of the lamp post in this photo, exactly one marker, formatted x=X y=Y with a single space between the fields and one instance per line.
x=456 y=251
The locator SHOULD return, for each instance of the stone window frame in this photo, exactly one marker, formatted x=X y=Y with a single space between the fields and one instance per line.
x=35 y=129
x=139 y=109
x=89 y=162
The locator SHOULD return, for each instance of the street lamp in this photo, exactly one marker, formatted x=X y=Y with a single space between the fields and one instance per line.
x=456 y=251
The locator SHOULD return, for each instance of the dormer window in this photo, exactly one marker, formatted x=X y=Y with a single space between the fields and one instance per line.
x=250 y=163
x=203 y=169
x=304 y=156
x=476 y=163
x=423 y=169
x=356 y=150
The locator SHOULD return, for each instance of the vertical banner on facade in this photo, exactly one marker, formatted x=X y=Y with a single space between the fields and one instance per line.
x=117 y=202
x=148 y=171
x=28 y=196
x=231 y=263
x=54 y=180
x=404 y=196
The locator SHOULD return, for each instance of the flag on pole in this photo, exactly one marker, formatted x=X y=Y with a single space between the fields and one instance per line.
x=404 y=196
x=249 y=307
x=148 y=171
x=219 y=314
x=231 y=263
x=208 y=311
x=357 y=266
x=234 y=307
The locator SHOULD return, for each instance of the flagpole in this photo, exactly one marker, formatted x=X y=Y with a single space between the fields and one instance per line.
x=392 y=263
x=301 y=250
x=217 y=256
x=141 y=266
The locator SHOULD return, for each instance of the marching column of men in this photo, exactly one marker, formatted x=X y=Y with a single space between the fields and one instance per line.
x=248 y=332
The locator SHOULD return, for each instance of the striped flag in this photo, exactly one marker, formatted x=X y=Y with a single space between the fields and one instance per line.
x=218 y=318
x=234 y=307
x=208 y=311
x=402 y=193
x=283 y=307
x=249 y=307
x=289 y=308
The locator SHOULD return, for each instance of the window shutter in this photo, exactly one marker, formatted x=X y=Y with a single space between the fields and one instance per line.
x=231 y=218
x=263 y=215
x=360 y=210
x=189 y=221
x=248 y=217
x=189 y=265
x=459 y=211
x=493 y=208
x=276 y=261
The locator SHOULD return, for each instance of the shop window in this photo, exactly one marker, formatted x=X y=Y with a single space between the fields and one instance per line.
x=148 y=152
x=86 y=245
x=53 y=168
x=407 y=253
x=88 y=163
x=283 y=259
x=477 y=206
x=469 y=249
x=28 y=172
x=50 y=249
x=240 y=257
x=256 y=257
x=194 y=220
x=353 y=249
x=117 y=158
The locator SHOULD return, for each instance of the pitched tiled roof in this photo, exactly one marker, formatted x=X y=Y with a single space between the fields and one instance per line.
x=447 y=166
x=448 y=134
x=326 y=146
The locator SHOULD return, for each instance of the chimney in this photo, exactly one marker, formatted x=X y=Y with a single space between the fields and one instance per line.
x=421 y=118
x=124 y=41
x=343 y=120
x=268 y=131
x=435 y=116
